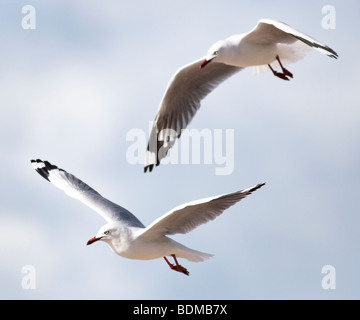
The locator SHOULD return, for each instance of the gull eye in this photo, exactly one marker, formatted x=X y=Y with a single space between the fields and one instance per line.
x=107 y=232
x=216 y=52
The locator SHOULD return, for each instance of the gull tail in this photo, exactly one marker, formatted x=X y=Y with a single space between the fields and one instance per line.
x=191 y=254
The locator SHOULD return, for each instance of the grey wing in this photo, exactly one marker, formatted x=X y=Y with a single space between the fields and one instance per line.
x=272 y=31
x=181 y=100
x=77 y=189
x=187 y=217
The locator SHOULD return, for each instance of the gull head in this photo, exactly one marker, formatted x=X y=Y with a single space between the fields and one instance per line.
x=107 y=233
x=216 y=51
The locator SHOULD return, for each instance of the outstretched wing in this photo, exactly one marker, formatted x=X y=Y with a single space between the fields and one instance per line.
x=272 y=31
x=77 y=189
x=188 y=216
x=181 y=100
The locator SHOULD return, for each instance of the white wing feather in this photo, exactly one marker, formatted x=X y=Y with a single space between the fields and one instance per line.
x=272 y=31
x=188 y=216
x=79 y=190
x=181 y=100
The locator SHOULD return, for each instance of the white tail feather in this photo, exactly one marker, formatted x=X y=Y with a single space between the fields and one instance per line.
x=190 y=254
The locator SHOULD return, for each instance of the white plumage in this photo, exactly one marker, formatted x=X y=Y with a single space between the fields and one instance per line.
x=270 y=45
x=126 y=235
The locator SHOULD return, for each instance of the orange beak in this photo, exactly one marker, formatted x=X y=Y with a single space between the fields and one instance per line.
x=92 y=240
x=204 y=63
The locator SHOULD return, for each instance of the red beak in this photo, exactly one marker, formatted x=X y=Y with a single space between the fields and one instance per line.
x=204 y=63
x=92 y=240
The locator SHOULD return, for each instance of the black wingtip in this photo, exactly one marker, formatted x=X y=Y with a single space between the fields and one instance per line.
x=331 y=52
x=258 y=186
x=251 y=190
x=150 y=167
x=43 y=167
x=40 y=167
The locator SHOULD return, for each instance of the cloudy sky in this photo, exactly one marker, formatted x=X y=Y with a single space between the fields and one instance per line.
x=74 y=87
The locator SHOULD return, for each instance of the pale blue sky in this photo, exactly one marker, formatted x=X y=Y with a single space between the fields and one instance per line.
x=72 y=89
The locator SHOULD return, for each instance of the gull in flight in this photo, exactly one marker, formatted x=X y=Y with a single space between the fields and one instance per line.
x=270 y=45
x=127 y=236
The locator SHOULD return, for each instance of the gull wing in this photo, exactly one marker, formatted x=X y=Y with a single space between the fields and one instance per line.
x=272 y=31
x=181 y=100
x=188 y=216
x=79 y=190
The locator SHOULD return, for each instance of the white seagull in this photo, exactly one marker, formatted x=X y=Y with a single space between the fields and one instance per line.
x=269 y=45
x=127 y=236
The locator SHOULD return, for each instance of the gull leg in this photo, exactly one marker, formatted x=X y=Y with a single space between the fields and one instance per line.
x=282 y=75
x=177 y=266
x=285 y=71
x=278 y=74
x=170 y=265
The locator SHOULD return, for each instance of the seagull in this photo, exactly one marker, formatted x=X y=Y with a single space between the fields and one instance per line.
x=127 y=236
x=270 y=45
